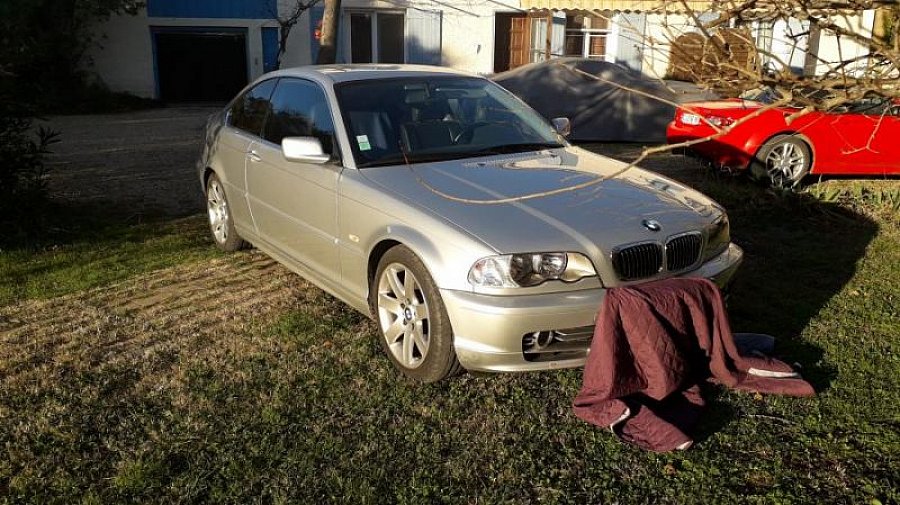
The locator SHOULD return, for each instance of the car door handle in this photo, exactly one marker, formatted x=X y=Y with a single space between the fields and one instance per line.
x=254 y=157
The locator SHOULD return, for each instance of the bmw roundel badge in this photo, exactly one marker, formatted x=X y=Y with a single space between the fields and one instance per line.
x=651 y=224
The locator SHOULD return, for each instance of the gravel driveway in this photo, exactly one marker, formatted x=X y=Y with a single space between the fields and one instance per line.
x=141 y=164
x=137 y=163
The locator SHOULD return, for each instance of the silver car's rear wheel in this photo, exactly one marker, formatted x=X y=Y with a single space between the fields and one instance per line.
x=220 y=222
x=783 y=161
x=414 y=326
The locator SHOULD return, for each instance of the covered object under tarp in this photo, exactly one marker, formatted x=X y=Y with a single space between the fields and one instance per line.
x=599 y=107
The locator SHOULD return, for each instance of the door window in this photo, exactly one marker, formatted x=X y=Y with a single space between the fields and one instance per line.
x=300 y=109
x=361 y=37
x=249 y=111
x=390 y=38
x=538 y=39
x=377 y=37
x=586 y=36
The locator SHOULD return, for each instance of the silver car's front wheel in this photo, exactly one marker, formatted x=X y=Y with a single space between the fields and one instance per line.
x=403 y=315
x=413 y=323
x=220 y=222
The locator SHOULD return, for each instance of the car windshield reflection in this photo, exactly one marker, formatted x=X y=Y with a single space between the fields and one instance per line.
x=396 y=121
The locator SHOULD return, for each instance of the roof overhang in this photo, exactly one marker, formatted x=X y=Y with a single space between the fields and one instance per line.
x=755 y=9
x=600 y=6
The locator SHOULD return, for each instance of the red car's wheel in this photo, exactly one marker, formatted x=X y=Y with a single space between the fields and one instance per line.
x=783 y=161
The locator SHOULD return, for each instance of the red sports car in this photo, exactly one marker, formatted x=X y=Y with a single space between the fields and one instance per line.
x=861 y=138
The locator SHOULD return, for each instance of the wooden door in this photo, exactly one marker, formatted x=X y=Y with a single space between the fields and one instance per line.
x=519 y=38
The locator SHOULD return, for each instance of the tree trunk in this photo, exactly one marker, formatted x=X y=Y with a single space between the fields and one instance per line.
x=328 y=42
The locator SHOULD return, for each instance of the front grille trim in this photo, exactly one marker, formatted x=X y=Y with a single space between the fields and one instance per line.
x=683 y=251
x=647 y=259
x=639 y=260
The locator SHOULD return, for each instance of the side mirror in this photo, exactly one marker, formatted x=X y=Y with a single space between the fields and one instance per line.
x=562 y=125
x=304 y=149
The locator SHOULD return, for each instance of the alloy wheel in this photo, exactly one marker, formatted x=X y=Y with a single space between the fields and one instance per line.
x=217 y=207
x=403 y=315
x=786 y=162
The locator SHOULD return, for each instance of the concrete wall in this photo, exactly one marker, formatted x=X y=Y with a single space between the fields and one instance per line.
x=660 y=31
x=467 y=31
x=663 y=28
x=833 y=48
x=123 y=58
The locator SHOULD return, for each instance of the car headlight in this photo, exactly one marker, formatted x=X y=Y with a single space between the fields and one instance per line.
x=718 y=236
x=529 y=269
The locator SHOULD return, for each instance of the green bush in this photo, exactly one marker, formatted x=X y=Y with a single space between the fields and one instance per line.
x=23 y=170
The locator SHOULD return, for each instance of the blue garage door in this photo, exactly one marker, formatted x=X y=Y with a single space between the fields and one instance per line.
x=270 y=49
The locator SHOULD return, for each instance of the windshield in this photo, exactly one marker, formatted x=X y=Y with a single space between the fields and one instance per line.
x=410 y=120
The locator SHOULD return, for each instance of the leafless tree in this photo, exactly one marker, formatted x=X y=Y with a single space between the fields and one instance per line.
x=287 y=23
x=721 y=53
x=842 y=76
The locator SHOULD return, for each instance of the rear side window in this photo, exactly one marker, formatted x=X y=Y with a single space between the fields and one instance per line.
x=249 y=111
x=300 y=109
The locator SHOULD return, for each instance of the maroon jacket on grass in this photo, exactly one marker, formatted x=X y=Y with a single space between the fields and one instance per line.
x=653 y=344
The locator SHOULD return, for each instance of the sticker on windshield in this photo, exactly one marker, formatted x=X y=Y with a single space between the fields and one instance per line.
x=363 y=141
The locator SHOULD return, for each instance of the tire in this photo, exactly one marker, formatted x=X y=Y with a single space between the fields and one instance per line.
x=413 y=325
x=783 y=161
x=221 y=224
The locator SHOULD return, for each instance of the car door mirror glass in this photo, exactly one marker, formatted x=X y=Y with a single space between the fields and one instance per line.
x=304 y=149
x=562 y=125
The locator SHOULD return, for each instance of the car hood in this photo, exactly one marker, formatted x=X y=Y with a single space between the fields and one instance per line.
x=607 y=212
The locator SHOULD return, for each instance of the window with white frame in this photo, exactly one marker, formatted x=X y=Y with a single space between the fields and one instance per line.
x=586 y=36
x=538 y=39
x=375 y=37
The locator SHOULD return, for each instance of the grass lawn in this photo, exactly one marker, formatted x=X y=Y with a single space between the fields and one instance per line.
x=139 y=365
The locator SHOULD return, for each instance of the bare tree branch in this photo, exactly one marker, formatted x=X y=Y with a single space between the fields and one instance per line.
x=287 y=23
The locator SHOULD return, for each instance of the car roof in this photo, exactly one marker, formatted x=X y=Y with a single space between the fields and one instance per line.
x=358 y=72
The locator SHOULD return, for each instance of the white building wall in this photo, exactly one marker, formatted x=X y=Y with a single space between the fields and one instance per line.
x=834 y=48
x=123 y=59
x=661 y=30
x=298 y=44
x=467 y=31
x=469 y=38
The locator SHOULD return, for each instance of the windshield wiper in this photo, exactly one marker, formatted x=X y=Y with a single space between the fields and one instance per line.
x=517 y=148
x=412 y=157
x=420 y=157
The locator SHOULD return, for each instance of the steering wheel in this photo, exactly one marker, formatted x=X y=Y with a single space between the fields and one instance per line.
x=465 y=136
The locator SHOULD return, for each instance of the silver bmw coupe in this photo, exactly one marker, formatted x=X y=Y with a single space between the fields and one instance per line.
x=449 y=211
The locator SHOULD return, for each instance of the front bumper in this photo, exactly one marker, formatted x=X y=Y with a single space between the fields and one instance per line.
x=489 y=330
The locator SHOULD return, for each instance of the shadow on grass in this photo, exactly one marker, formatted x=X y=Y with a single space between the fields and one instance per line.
x=57 y=223
x=799 y=253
